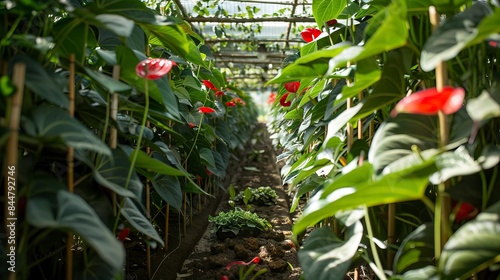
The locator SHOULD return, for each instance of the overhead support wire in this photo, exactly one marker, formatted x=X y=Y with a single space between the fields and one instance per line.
x=268 y=2
x=238 y=40
x=243 y=20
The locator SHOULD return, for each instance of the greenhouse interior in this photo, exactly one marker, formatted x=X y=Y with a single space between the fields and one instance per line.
x=250 y=139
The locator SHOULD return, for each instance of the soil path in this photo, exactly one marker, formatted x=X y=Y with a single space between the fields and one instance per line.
x=208 y=256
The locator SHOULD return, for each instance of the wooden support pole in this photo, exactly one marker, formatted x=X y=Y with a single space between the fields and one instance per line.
x=443 y=197
x=113 y=134
x=12 y=148
x=70 y=161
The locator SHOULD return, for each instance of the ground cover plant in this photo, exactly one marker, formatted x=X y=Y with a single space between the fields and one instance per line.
x=114 y=117
x=388 y=120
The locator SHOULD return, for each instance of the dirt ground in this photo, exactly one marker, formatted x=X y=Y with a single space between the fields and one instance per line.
x=199 y=254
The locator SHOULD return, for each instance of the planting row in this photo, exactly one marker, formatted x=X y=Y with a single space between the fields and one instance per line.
x=112 y=115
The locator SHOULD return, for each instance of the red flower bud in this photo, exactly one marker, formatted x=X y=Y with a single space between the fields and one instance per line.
x=123 y=234
x=431 y=101
x=230 y=104
x=219 y=93
x=154 y=68
x=332 y=22
x=465 y=212
x=310 y=34
x=191 y=125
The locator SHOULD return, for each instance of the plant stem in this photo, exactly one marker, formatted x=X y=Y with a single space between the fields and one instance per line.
x=135 y=153
x=372 y=244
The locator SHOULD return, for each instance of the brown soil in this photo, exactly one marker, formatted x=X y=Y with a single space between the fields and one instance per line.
x=201 y=255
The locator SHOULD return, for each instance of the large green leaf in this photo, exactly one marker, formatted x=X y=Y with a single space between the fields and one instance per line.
x=454 y=164
x=112 y=172
x=312 y=65
x=487 y=27
x=392 y=34
x=356 y=176
x=139 y=221
x=416 y=251
x=91 y=267
x=148 y=163
x=69 y=34
x=67 y=211
x=390 y=88
x=425 y=273
x=325 y=256
x=135 y=10
x=341 y=120
x=452 y=36
x=404 y=185
x=106 y=82
x=175 y=39
x=207 y=157
x=395 y=138
x=120 y=25
x=43 y=83
x=53 y=123
x=367 y=73
x=325 y=10
x=473 y=247
x=485 y=106
x=169 y=189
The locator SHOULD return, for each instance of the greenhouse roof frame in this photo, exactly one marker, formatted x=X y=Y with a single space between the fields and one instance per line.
x=276 y=39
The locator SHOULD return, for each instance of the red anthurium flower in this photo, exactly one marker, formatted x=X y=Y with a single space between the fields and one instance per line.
x=292 y=86
x=206 y=110
x=191 y=125
x=272 y=98
x=209 y=173
x=123 y=234
x=239 y=101
x=209 y=84
x=219 y=93
x=283 y=101
x=230 y=104
x=310 y=34
x=154 y=68
x=331 y=22
x=224 y=277
x=465 y=212
x=254 y=260
x=430 y=102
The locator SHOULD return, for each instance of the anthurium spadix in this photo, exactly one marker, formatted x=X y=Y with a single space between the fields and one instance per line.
x=431 y=101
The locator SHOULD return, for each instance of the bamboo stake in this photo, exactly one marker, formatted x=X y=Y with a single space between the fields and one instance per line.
x=191 y=208
x=18 y=78
x=71 y=161
x=113 y=134
x=185 y=213
x=441 y=81
x=349 y=128
x=167 y=218
x=148 y=214
x=391 y=226
x=360 y=121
